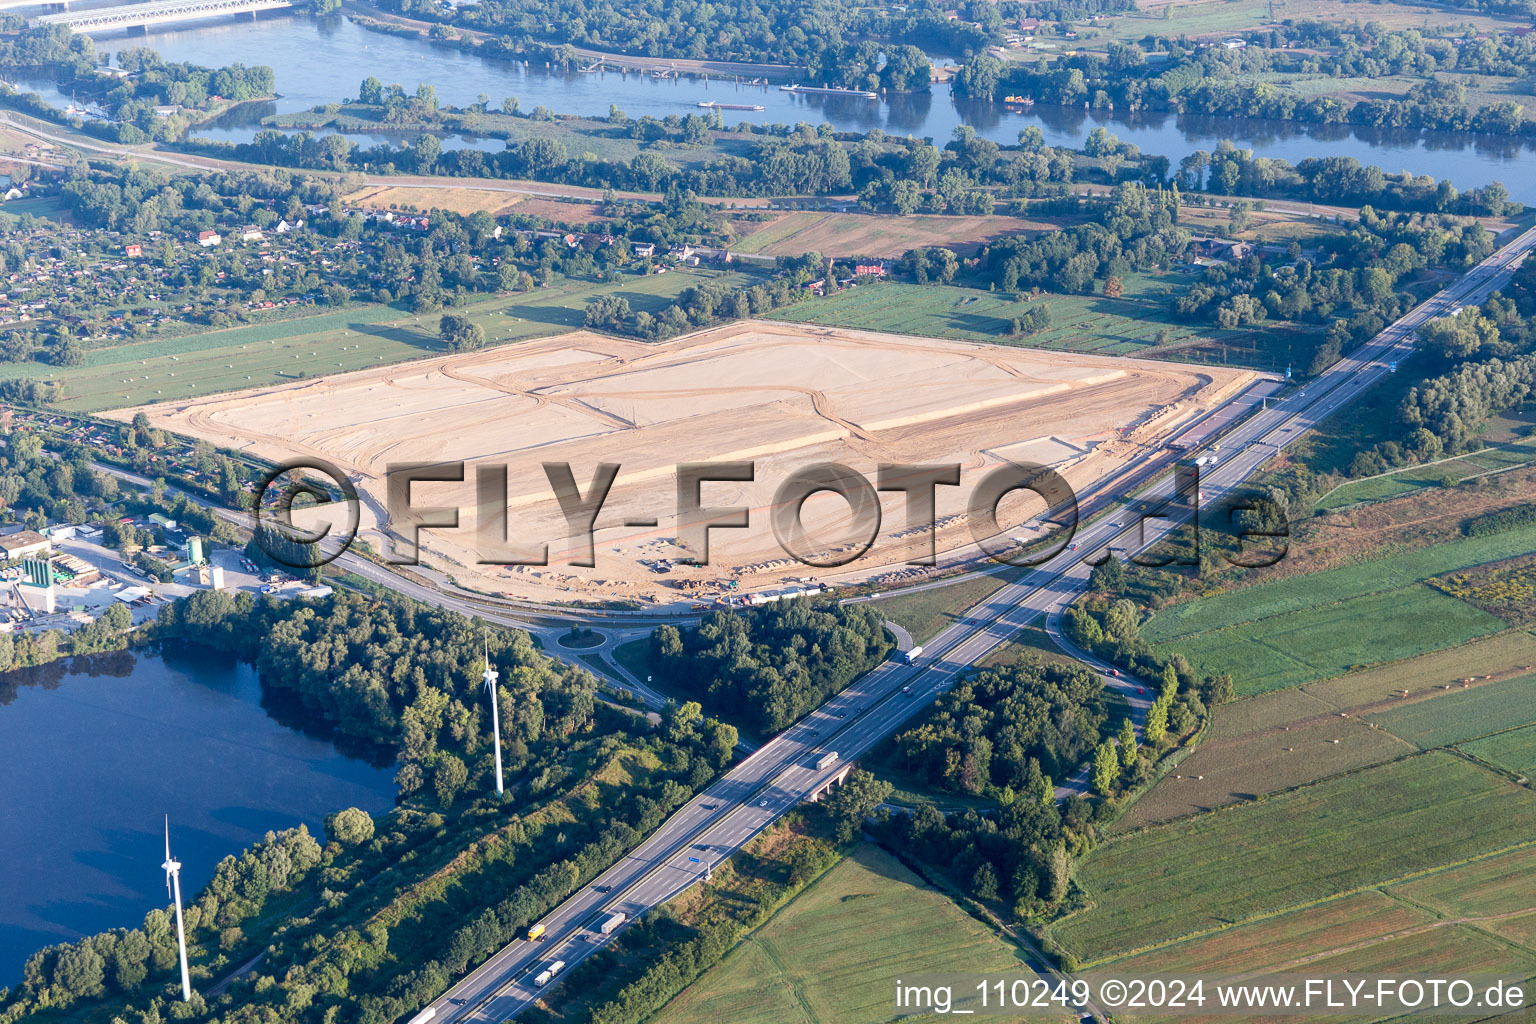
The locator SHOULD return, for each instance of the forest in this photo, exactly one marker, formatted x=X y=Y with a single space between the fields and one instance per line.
x=1006 y=732
x=770 y=665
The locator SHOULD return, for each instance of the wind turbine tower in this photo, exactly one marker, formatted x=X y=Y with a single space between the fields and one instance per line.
x=490 y=687
x=173 y=889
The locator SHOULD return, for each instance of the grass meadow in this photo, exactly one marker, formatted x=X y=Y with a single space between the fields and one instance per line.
x=1355 y=831
x=1513 y=751
x=833 y=953
x=260 y=355
x=1124 y=326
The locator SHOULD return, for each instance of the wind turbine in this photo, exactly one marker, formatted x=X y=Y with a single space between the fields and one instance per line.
x=173 y=889
x=490 y=687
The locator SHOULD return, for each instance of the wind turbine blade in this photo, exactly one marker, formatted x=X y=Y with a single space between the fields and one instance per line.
x=167 y=838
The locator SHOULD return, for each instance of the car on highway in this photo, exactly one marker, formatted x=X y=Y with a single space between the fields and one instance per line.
x=762 y=803
x=1115 y=672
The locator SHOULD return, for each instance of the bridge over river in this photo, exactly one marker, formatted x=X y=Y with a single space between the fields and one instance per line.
x=158 y=12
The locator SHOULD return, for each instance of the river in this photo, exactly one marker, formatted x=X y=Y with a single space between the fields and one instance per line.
x=319 y=60
x=99 y=748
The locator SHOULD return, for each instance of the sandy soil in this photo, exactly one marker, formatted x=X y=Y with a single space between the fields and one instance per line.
x=782 y=395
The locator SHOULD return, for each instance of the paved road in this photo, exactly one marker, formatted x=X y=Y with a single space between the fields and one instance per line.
x=784 y=771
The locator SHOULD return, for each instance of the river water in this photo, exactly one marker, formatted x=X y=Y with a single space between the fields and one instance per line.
x=319 y=60
x=98 y=749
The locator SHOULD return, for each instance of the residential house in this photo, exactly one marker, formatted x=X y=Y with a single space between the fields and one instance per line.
x=207 y=239
x=250 y=233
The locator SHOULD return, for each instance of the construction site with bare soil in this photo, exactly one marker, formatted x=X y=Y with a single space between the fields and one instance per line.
x=781 y=396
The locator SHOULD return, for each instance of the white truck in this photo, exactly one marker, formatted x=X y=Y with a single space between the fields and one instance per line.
x=826 y=760
x=611 y=924
x=424 y=1015
x=554 y=968
x=913 y=654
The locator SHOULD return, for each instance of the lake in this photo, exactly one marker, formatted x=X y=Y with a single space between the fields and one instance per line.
x=319 y=60
x=99 y=749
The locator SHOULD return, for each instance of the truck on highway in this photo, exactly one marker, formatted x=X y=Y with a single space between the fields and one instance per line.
x=424 y=1015
x=826 y=760
x=912 y=655
x=542 y=978
x=611 y=924
x=536 y=932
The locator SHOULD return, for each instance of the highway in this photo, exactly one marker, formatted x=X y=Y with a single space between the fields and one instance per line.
x=782 y=773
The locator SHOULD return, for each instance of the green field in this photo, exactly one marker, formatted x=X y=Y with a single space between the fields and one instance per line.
x=1285 y=738
x=834 y=952
x=1463 y=714
x=1514 y=751
x=1326 y=640
x=1295 y=593
x=1363 y=829
x=1437 y=474
x=926 y=612
x=1079 y=323
x=353 y=339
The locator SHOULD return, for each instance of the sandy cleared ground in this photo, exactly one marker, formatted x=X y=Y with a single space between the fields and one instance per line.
x=783 y=396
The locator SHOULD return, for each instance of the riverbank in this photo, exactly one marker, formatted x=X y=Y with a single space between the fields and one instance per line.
x=373 y=18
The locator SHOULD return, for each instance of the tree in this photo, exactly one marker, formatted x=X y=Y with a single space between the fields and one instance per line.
x=460 y=333
x=448 y=778
x=1060 y=874
x=350 y=827
x=1157 y=721
x=118 y=617
x=1127 y=744
x=859 y=797
x=1106 y=769
x=1113 y=288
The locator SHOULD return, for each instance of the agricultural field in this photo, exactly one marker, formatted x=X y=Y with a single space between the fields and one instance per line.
x=464 y=201
x=1365 y=829
x=1463 y=714
x=1327 y=639
x=856 y=234
x=1506 y=589
x=1225 y=17
x=1128 y=325
x=831 y=954
x=288 y=350
x=1306 y=626
x=1445 y=473
x=1285 y=738
x=1301 y=592
x=1513 y=751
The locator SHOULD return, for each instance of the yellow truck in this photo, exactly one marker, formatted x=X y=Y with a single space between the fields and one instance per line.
x=535 y=933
